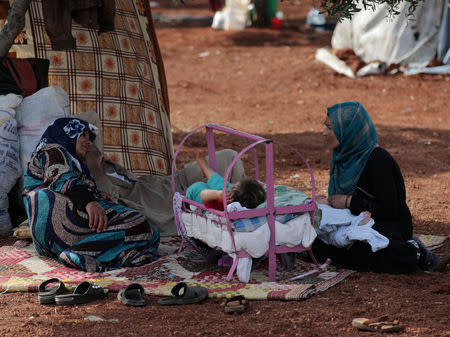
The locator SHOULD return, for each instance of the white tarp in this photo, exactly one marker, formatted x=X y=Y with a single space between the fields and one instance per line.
x=413 y=41
x=444 y=36
x=374 y=36
x=10 y=169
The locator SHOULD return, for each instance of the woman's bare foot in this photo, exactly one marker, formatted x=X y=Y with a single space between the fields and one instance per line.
x=366 y=218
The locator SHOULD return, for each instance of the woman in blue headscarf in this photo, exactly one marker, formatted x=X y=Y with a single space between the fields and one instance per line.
x=365 y=177
x=69 y=218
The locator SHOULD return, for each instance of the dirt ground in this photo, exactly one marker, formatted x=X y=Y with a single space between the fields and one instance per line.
x=267 y=82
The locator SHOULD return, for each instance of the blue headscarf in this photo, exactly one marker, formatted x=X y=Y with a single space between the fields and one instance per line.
x=65 y=132
x=357 y=138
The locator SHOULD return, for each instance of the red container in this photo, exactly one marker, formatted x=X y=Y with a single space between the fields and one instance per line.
x=276 y=23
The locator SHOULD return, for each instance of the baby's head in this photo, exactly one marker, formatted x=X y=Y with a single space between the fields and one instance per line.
x=249 y=193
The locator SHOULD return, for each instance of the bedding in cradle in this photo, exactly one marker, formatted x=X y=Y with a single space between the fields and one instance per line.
x=231 y=230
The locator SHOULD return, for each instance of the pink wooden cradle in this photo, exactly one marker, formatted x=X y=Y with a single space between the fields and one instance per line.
x=182 y=204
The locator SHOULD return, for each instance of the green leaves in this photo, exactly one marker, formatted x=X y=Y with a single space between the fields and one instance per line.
x=344 y=9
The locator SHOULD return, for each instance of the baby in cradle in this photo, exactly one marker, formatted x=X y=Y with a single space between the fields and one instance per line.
x=249 y=193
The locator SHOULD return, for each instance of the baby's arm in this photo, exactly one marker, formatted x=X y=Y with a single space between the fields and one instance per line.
x=210 y=195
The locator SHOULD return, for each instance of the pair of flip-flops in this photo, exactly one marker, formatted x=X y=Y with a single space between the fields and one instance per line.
x=85 y=292
x=182 y=294
x=382 y=324
x=185 y=294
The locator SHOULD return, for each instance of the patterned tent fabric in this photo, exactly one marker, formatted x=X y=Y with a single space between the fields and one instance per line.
x=120 y=75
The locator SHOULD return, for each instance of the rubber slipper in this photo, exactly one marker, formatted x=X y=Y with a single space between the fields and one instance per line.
x=185 y=294
x=47 y=295
x=427 y=261
x=381 y=323
x=132 y=295
x=83 y=293
x=236 y=304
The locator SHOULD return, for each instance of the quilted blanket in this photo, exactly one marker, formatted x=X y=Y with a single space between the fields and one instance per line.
x=22 y=270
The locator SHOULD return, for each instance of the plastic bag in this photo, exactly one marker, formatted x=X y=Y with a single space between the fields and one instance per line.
x=315 y=19
x=10 y=169
x=35 y=114
x=233 y=16
x=238 y=14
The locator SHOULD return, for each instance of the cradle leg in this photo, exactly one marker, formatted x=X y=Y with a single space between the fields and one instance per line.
x=311 y=254
x=323 y=266
x=232 y=268
x=317 y=271
x=182 y=245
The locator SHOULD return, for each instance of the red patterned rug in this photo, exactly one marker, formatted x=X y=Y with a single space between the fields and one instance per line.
x=22 y=270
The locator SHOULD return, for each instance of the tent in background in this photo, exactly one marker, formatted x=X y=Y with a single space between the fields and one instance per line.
x=381 y=41
x=119 y=75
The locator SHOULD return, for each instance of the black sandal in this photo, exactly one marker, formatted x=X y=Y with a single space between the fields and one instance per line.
x=85 y=292
x=185 y=294
x=132 y=295
x=47 y=296
x=237 y=304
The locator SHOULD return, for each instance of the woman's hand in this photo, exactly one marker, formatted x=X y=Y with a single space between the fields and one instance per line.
x=98 y=220
x=340 y=200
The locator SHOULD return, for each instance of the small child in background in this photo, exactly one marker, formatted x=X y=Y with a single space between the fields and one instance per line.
x=248 y=192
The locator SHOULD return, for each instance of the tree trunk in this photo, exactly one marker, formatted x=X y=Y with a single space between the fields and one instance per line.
x=14 y=25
